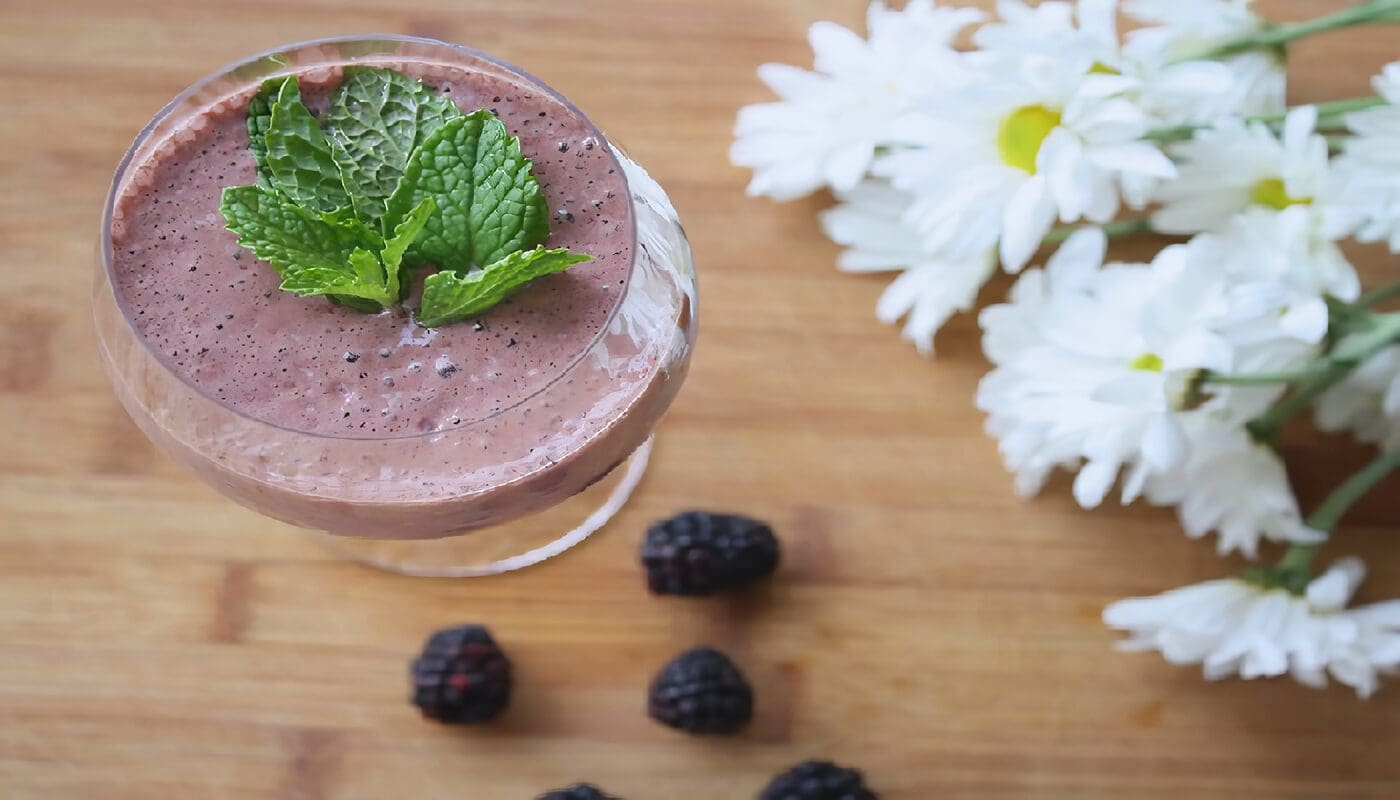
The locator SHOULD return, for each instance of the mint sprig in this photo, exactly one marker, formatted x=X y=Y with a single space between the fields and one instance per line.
x=285 y=235
x=364 y=275
x=472 y=167
x=259 y=119
x=376 y=119
x=299 y=156
x=393 y=177
x=450 y=296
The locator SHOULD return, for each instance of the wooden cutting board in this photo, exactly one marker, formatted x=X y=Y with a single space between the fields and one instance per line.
x=157 y=641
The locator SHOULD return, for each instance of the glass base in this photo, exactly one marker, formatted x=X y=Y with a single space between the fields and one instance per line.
x=502 y=548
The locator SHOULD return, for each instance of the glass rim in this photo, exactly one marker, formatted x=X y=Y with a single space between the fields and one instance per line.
x=231 y=68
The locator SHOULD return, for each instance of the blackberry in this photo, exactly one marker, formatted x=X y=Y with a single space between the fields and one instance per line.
x=582 y=791
x=462 y=676
x=818 y=780
x=701 y=691
x=698 y=553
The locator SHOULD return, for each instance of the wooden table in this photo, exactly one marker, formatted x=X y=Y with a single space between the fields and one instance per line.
x=157 y=641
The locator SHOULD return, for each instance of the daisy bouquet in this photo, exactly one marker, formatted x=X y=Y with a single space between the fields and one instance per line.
x=1166 y=381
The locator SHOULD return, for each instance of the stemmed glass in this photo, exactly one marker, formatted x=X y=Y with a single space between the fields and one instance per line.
x=536 y=501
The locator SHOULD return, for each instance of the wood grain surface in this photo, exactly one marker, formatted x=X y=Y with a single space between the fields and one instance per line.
x=157 y=641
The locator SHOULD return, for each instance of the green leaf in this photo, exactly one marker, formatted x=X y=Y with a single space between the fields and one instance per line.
x=434 y=111
x=362 y=276
x=286 y=236
x=323 y=254
x=360 y=305
x=299 y=155
x=354 y=227
x=399 y=177
x=375 y=120
x=259 y=118
x=453 y=296
x=488 y=203
x=397 y=245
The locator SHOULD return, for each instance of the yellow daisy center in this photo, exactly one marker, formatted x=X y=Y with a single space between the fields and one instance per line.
x=1147 y=362
x=1021 y=133
x=1271 y=193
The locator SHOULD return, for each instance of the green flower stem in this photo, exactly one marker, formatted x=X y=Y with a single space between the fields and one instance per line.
x=1377 y=331
x=1377 y=296
x=1274 y=37
x=1265 y=428
x=1258 y=378
x=1113 y=229
x=1331 y=114
x=1293 y=569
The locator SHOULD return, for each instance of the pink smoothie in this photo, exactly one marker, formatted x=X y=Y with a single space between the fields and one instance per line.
x=217 y=317
x=368 y=424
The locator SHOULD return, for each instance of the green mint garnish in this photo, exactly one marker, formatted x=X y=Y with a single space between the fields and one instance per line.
x=364 y=275
x=492 y=207
x=283 y=234
x=397 y=177
x=259 y=118
x=376 y=118
x=299 y=155
x=450 y=296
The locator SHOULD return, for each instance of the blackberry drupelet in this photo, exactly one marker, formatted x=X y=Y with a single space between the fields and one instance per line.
x=582 y=791
x=701 y=691
x=461 y=677
x=818 y=780
x=699 y=553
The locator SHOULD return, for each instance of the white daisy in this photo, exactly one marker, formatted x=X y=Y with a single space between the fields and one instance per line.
x=1236 y=166
x=996 y=163
x=1281 y=268
x=1089 y=364
x=1232 y=485
x=1084 y=364
x=1170 y=87
x=1236 y=628
x=1179 y=90
x=1081 y=35
x=825 y=129
x=1366 y=402
x=1368 y=171
x=933 y=285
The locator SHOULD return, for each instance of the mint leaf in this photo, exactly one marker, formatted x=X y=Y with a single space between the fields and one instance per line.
x=299 y=155
x=434 y=111
x=362 y=276
x=404 y=235
x=452 y=296
x=398 y=177
x=375 y=120
x=326 y=253
x=259 y=118
x=488 y=203
x=353 y=227
x=286 y=236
